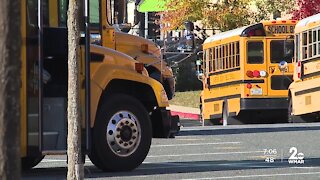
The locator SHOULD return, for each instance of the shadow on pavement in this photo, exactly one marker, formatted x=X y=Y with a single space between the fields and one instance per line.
x=240 y=130
x=169 y=168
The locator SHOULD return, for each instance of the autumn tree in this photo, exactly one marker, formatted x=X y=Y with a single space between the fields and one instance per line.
x=306 y=8
x=223 y=15
x=183 y=10
x=75 y=164
x=265 y=8
x=227 y=14
x=10 y=44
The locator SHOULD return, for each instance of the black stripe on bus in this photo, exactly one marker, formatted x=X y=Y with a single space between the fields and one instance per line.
x=298 y=93
x=217 y=116
x=310 y=75
x=236 y=82
x=303 y=76
x=310 y=60
x=222 y=98
x=225 y=71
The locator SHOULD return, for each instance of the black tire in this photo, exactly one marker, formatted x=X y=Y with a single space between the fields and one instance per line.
x=292 y=118
x=109 y=151
x=28 y=162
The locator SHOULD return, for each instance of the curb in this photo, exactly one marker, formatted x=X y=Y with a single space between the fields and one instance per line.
x=190 y=116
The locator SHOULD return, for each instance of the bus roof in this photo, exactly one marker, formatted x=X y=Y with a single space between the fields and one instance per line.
x=243 y=30
x=308 y=22
x=227 y=34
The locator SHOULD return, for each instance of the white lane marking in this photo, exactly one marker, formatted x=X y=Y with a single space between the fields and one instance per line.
x=188 y=165
x=255 y=176
x=192 y=144
x=306 y=167
x=59 y=160
x=201 y=154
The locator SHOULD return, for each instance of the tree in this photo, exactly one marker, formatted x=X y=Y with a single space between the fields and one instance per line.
x=222 y=15
x=183 y=10
x=267 y=7
x=306 y=8
x=227 y=14
x=75 y=164
x=10 y=42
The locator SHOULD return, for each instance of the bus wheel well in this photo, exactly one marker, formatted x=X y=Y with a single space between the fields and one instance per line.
x=144 y=93
x=152 y=69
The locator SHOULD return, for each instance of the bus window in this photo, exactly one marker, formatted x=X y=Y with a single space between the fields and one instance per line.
x=94 y=13
x=255 y=53
x=63 y=7
x=319 y=41
x=297 y=57
x=213 y=59
x=210 y=59
x=278 y=53
x=237 y=48
x=216 y=58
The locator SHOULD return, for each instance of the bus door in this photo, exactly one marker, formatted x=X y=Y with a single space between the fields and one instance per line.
x=46 y=72
x=280 y=69
x=31 y=76
x=255 y=68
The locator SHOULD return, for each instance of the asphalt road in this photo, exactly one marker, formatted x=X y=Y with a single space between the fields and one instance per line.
x=233 y=152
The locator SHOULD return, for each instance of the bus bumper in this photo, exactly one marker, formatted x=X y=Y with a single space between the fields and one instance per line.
x=163 y=124
x=263 y=103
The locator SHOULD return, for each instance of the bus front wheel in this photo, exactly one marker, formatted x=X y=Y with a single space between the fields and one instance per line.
x=121 y=135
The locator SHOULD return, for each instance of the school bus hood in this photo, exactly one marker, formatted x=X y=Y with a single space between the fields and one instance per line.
x=132 y=44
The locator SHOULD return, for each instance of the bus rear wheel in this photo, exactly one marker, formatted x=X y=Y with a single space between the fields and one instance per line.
x=29 y=162
x=121 y=135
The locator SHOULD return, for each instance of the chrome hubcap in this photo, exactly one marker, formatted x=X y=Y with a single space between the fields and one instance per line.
x=123 y=133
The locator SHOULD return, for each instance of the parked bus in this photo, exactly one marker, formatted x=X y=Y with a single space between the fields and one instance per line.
x=139 y=48
x=247 y=72
x=304 y=91
x=122 y=107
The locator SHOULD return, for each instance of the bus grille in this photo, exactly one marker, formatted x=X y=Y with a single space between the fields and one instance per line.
x=281 y=82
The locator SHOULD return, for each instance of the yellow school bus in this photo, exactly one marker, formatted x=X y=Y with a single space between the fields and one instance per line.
x=140 y=49
x=122 y=106
x=247 y=72
x=304 y=91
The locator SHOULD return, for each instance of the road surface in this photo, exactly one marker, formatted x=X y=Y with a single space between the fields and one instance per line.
x=232 y=152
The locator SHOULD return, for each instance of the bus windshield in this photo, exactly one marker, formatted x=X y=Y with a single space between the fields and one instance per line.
x=281 y=50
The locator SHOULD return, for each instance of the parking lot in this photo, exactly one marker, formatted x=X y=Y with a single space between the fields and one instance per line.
x=232 y=152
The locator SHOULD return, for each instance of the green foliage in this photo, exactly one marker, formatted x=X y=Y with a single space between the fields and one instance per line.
x=223 y=15
x=187 y=99
x=227 y=14
x=267 y=7
x=184 y=10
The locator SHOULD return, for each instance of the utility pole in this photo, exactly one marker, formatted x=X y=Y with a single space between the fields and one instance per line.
x=10 y=62
x=75 y=164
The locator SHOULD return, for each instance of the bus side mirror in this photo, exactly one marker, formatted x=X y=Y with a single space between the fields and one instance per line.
x=125 y=27
x=199 y=71
x=283 y=66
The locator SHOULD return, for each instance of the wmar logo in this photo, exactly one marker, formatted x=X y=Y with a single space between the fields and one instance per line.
x=295 y=158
